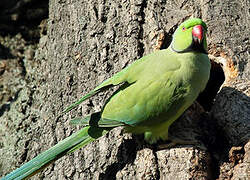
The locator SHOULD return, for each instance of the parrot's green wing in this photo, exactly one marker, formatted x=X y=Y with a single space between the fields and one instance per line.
x=129 y=74
x=127 y=105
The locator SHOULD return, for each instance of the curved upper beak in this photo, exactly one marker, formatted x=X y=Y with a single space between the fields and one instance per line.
x=198 y=33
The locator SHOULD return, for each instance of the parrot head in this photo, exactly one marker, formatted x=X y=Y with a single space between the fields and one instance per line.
x=190 y=36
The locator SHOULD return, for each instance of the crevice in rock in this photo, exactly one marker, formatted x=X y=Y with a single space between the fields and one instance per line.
x=216 y=143
x=141 y=32
x=157 y=164
x=219 y=152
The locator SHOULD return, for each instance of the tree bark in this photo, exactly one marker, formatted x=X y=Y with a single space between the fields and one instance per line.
x=87 y=42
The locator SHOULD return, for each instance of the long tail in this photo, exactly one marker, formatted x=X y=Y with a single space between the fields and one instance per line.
x=66 y=146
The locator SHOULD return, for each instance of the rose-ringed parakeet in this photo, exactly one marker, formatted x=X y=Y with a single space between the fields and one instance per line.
x=154 y=91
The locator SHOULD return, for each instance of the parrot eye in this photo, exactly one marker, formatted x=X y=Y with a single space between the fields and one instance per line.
x=183 y=28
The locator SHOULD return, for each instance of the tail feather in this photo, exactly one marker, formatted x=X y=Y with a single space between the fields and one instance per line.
x=66 y=146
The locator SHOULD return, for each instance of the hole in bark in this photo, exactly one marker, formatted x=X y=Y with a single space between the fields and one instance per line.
x=217 y=77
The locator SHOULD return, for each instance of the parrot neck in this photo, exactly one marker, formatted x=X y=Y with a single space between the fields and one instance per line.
x=193 y=47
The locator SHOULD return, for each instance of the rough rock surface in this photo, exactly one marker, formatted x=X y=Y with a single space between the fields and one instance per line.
x=87 y=42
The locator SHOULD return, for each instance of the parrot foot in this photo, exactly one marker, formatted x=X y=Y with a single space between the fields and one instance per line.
x=177 y=141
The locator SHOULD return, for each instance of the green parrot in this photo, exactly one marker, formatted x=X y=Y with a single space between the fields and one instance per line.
x=154 y=91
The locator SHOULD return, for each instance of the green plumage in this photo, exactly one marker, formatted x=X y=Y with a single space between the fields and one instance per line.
x=154 y=91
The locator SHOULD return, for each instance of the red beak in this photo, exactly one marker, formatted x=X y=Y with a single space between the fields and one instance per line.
x=198 y=33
